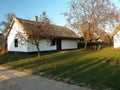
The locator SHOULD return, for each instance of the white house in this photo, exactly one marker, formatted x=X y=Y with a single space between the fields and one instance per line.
x=116 y=37
x=64 y=38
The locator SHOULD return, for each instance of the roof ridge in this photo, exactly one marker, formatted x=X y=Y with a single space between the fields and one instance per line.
x=23 y=19
x=41 y=22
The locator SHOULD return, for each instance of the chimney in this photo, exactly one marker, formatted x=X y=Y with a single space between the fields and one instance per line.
x=36 y=18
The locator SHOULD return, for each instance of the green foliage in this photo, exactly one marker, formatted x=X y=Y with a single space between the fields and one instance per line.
x=98 y=68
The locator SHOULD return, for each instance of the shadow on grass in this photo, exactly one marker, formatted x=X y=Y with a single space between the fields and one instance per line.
x=5 y=58
x=95 y=72
x=49 y=62
x=83 y=66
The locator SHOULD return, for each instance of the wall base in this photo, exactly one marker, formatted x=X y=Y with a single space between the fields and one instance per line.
x=35 y=53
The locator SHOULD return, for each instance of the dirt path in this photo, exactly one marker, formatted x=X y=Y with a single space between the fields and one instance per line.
x=17 y=80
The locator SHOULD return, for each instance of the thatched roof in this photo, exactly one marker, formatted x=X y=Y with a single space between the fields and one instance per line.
x=116 y=30
x=48 y=29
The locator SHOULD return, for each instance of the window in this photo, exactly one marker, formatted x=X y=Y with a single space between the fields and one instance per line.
x=53 y=42
x=16 y=42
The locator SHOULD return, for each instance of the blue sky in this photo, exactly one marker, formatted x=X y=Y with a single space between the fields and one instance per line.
x=29 y=8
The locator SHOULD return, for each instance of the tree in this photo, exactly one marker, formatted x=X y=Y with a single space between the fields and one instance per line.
x=4 y=24
x=36 y=32
x=44 y=18
x=3 y=43
x=35 y=35
x=91 y=16
x=3 y=28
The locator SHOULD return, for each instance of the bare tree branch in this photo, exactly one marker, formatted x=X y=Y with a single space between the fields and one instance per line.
x=91 y=17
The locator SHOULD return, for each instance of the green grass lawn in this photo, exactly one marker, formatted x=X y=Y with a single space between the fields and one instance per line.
x=97 y=68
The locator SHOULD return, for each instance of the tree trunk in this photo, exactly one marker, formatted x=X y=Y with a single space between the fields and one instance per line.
x=4 y=47
x=85 y=44
x=38 y=50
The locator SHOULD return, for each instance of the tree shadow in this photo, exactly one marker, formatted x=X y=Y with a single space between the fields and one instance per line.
x=98 y=73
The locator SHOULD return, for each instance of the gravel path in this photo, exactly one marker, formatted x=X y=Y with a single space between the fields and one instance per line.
x=17 y=80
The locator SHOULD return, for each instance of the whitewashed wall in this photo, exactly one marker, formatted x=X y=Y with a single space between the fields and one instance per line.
x=44 y=46
x=116 y=40
x=69 y=44
x=22 y=47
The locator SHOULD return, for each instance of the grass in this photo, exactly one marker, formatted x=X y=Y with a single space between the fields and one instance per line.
x=98 y=68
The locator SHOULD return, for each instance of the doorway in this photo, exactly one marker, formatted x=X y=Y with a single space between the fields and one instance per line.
x=58 y=44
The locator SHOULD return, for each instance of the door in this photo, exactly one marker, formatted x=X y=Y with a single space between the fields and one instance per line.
x=58 y=44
